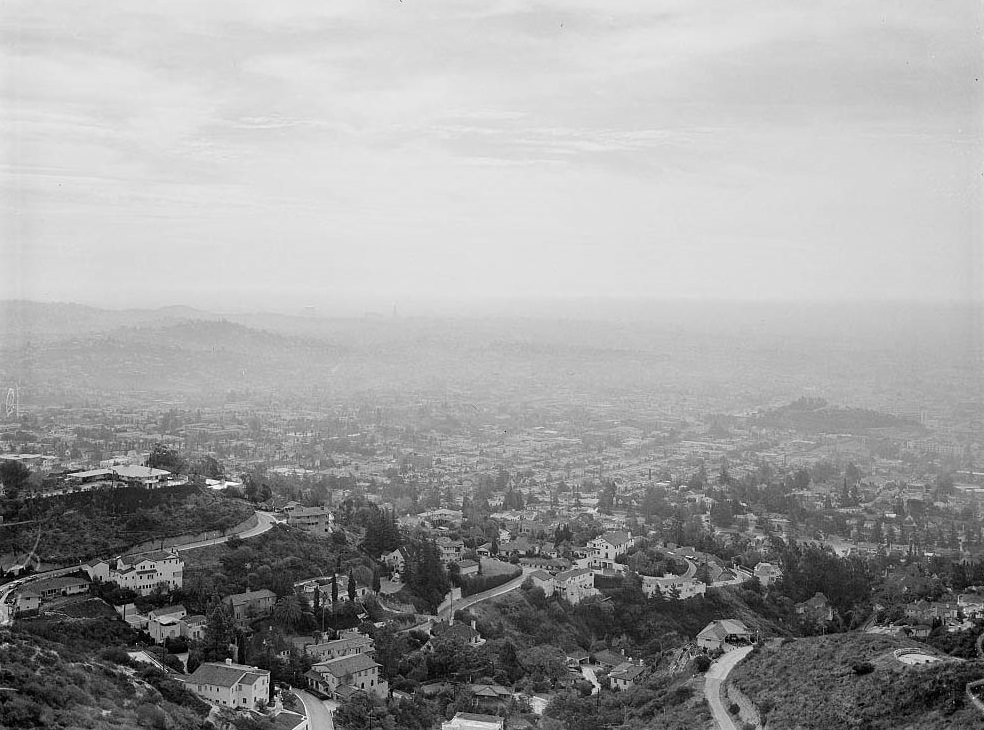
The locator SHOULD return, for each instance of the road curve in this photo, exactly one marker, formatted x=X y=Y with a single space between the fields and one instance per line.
x=264 y=521
x=483 y=596
x=318 y=716
x=714 y=682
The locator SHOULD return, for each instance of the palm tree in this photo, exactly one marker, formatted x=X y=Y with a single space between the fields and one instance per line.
x=287 y=612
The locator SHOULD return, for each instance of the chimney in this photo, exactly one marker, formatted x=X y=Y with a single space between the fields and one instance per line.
x=473 y=625
x=228 y=661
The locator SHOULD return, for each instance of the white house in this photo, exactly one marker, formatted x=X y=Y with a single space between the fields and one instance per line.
x=767 y=573
x=231 y=685
x=603 y=550
x=142 y=572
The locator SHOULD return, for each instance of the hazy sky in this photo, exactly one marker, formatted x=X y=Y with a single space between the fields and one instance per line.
x=256 y=153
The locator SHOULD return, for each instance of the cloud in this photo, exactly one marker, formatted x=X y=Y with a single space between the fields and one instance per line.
x=485 y=147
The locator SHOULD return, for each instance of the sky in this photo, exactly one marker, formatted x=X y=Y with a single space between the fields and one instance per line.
x=236 y=154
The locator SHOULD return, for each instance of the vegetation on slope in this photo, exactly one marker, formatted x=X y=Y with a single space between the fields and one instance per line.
x=52 y=685
x=854 y=681
x=105 y=523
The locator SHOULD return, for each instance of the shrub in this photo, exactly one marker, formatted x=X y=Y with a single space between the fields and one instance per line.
x=863 y=668
x=733 y=708
x=117 y=655
x=702 y=663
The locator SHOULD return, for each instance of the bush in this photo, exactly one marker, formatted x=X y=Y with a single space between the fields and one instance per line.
x=863 y=668
x=117 y=655
x=473 y=584
x=702 y=663
x=733 y=708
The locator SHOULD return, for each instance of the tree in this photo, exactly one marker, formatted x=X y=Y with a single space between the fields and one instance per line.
x=376 y=584
x=220 y=632
x=14 y=477
x=287 y=612
x=351 y=586
x=163 y=457
x=334 y=592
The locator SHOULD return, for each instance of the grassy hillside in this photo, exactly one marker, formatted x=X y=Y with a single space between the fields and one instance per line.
x=809 y=684
x=50 y=685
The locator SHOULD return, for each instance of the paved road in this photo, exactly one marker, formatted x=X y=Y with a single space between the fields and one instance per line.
x=484 y=596
x=264 y=521
x=9 y=588
x=714 y=681
x=319 y=717
x=588 y=673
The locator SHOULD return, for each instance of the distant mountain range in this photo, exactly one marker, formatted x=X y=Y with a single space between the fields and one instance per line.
x=54 y=350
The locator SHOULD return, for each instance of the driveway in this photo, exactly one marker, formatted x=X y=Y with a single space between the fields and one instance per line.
x=319 y=716
x=588 y=672
x=264 y=521
x=714 y=681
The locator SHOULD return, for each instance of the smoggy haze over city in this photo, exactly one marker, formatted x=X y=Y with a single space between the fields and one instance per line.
x=236 y=155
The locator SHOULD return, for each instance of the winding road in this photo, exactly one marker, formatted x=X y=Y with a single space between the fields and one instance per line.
x=714 y=682
x=264 y=521
x=483 y=596
x=319 y=717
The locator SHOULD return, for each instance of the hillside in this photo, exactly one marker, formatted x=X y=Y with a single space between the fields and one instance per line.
x=643 y=627
x=810 y=684
x=48 y=684
x=103 y=523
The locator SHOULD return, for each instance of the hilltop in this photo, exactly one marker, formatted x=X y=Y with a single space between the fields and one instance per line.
x=855 y=681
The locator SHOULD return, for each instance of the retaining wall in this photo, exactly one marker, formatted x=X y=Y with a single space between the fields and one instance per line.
x=166 y=542
x=749 y=713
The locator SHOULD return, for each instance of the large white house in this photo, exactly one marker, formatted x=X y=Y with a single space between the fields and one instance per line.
x=142 y=572
x=603 y=550
x=231 y=685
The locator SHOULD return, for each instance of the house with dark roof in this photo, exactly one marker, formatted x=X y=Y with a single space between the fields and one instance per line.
x=61 y=586
x=230 y=685
x=816 y=609
x=459 y=631
x=626 y=674
x=343 y=676
x=251 y=603
x=544 y=581
x=575 y=585
x=347 y=646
